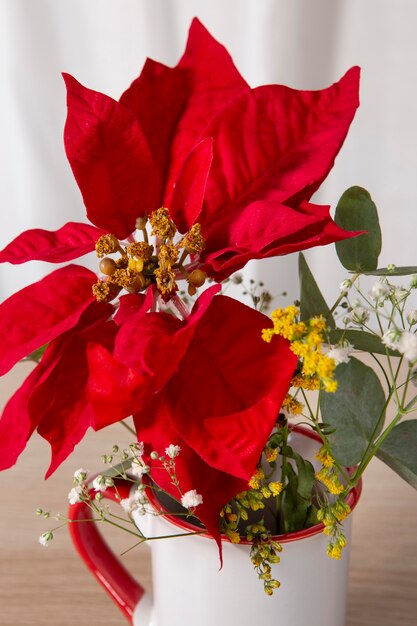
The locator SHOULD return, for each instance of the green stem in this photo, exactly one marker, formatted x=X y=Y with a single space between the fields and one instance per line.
x=280 y=514
x=341 y=297
x=129 y=428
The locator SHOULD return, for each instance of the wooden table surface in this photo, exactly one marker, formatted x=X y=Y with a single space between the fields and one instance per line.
x=45 y=587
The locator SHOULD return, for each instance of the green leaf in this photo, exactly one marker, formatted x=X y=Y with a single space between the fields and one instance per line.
x=296 y=507
x=36 y=355
x=399 y=451
x=361 y=340
x=311 y=300
x=354 y=410
x=298 y=492
x=405 y=270
x=356 y=211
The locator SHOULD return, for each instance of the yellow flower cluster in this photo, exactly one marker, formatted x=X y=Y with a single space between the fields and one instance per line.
x=306 y=340
x=328 y=476
x=325 y=458
x=332 y=516
x=292 y=405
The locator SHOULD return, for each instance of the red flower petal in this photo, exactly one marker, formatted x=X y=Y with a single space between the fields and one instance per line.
x=131 y=304
x=217 y=488
x=157 y=98
x=60 y=400
x=122 y=383
x=190 y=187
x=15 y=424
x=113 y=389
x=248 y=237
x=40 y=312
x=213 y=80
x=110 y=158
x=69 y=242
x=274 y=143
x=227 y=392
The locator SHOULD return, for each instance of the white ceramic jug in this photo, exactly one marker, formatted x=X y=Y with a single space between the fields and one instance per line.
x=190 y=590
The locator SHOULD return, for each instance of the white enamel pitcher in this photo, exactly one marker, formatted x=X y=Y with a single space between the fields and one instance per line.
x=190 y=590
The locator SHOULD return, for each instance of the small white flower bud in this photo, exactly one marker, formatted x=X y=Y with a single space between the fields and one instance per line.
x=380 y=289
x=359 y=315
x=345 y=285
x=80 y=475
x=99 y=483
x=340 y=354
x=46 y=538
x=191 y=499
x=74 y=495
x=408 y=346
x=154 y=455
x=391 y=338
x=391 y=267
x=399 y=294
x=413 y=281
x=412 y=316
x=172 y=451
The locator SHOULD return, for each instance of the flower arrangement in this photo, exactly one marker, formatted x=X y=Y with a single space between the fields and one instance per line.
x=191 y=191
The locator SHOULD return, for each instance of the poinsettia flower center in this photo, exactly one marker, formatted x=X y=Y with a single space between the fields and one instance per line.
x=141 y=263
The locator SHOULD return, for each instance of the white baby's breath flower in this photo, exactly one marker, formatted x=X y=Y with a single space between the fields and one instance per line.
x=140 y=496
x=359 y=315
x=340 y=354
x=191 y=499
x=46 y=538
x=391 y=338
x=139 y=448
x=80 y=475
x=128 y=505
x=412 y=316
x=138 y=468
x=408 y=346
x=413 y=281
x=99 y=483
x=379 y=290
x=399 y=294
x=74 y=495
x=172 y=451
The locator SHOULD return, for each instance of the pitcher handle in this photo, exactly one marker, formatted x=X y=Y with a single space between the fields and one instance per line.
x=131 y=598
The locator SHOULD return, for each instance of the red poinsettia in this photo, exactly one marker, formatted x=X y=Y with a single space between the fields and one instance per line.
x=235 y=169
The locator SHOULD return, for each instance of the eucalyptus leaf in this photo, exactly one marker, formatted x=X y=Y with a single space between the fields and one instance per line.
x=399 y=451
x=405 y=270
x=311 y=299
x=361 y=340
x=356 y=211
x=353 y=410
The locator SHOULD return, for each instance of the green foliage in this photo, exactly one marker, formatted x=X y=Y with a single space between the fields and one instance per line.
x=36 y=355
x=361 y=340
x=357 y=212
x=312 y=302
x=354 y=410
x=298 y=493
x=405 y=270
x=399 y=451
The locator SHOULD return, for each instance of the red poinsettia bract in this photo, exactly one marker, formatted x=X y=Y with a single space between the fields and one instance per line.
x=242 y=164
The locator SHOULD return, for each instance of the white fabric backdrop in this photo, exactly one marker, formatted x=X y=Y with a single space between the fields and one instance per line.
x=303 y=43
